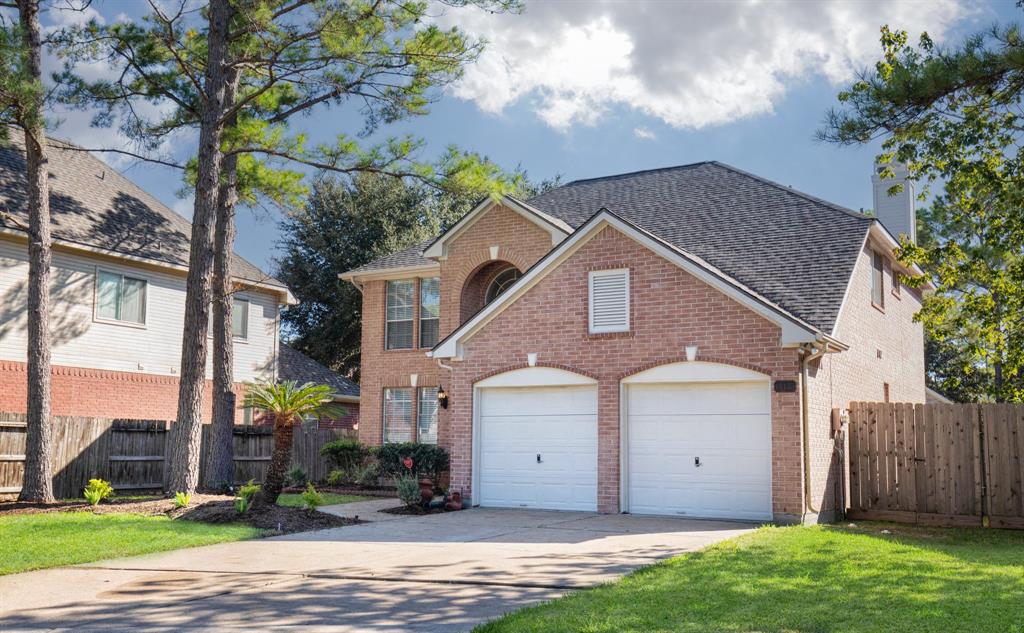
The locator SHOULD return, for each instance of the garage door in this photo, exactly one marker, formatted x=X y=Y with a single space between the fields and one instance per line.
x=538 y=447
x=700 y=449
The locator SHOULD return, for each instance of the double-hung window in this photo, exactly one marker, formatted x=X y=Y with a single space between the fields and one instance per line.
x=878 y=279
x=120 y=298
x=398 y=415
x=430 y=310
x=399 y=312
x=426 y=416
x=239 y=319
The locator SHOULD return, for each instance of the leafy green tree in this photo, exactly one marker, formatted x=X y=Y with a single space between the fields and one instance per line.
x=287 y=403
x=953 y=117
x=345 y=225
x=239 y=72
x=22 y=101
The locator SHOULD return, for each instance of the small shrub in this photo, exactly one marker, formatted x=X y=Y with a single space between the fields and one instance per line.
x=336 y=477
x=297 y=477
x=242 y=504
x=369 y=475
x=97 y=490
x=345 y=455
x=408 y=491
x=249 y=490
x=311 y=498
x=182 y=499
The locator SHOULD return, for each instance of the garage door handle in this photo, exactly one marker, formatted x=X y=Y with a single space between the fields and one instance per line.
x=538 y=458
x=696 y=462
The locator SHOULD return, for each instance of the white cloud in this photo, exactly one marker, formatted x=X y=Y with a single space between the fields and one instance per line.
x=688 y=64
x=644 y=133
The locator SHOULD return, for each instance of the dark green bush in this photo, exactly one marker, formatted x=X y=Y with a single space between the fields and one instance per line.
x=346 y=455
x=428 y=460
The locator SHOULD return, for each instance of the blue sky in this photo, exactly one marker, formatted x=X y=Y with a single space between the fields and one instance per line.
x=589 y=89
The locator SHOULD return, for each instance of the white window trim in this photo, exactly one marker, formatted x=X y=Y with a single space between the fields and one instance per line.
x=96 y=300
x=412 y=319
x=590 y=303
x=419 y=308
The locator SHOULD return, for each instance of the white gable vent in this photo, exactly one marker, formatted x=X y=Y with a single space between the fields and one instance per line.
x=609 y=301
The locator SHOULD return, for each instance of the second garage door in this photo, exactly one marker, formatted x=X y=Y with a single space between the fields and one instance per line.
x=538 y=447
x=700 y=449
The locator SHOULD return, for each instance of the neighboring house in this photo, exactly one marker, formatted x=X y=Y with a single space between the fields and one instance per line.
x=654 y=342
x=117 y=295
x=294 y=365
x=934 y=397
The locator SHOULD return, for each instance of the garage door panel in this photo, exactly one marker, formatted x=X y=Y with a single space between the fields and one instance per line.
x=726 y=425
x=559 y=424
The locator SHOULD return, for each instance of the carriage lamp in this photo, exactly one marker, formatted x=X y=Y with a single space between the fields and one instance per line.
x=442 y=397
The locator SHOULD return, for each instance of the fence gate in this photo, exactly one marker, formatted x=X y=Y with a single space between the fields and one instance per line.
x=937 y=464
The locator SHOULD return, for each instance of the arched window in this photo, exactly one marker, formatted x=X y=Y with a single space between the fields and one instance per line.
x=500 y=283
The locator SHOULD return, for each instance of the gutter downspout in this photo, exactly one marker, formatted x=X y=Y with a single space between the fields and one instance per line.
x=810 y=353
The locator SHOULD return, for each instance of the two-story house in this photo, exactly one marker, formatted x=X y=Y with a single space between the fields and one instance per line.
x=120 y=260
x=671 y=342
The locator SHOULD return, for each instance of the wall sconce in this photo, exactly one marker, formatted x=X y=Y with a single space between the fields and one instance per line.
x=531 y=359
x=442 y=397
x=413 y=379
x=691 y=352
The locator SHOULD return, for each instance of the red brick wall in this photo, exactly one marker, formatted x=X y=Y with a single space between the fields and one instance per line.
x=886 y=346
x=101 y=393
x=670 y=310
x=350 y=420
x=519 y=242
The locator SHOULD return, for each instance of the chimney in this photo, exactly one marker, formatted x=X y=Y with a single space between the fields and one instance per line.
x=895 y=212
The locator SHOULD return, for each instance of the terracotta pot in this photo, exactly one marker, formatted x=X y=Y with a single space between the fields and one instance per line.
x=454 y=501
x=426 y=490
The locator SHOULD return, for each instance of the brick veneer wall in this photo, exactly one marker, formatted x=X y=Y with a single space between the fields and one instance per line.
x=670 y=309
x=520 y=243
x=101 y=393
x=350 y=420
x=885 y=347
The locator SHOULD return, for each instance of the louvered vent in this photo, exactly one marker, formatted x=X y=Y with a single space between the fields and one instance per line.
x=609 y=301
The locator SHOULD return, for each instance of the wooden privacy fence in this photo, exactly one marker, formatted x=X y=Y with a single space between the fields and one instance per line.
x=938 y=464
x=130 y=454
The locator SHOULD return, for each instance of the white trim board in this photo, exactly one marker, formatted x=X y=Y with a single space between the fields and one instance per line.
x=793 y=330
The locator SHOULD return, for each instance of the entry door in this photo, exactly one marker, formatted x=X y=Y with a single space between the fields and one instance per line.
x=538 y=447
x=700 y=449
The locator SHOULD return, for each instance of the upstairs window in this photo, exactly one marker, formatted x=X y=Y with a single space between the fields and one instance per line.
x=501 y=283
x=897 y=282
x=609 y=301
x=120 y=298
x=239 y=319
x=878 y=279
x=398 y=326
x=430 y=311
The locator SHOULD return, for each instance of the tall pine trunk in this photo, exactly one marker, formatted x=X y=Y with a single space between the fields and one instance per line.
x=182 y=473
x=221 y=465
x=38 y=480
x=280 y=460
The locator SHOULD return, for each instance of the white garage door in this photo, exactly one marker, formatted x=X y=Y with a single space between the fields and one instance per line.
x=558 y=424
x=700 y=449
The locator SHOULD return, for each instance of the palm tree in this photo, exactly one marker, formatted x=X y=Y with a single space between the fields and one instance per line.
x=288 y=402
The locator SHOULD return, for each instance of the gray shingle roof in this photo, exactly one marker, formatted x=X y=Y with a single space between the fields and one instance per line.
x=294 y=365
x=412 y=256
x=92 y=205
x=796 y=250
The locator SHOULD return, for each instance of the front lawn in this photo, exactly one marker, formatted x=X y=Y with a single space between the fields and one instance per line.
x=294 y=499
x=810 y=579
x=51 y=539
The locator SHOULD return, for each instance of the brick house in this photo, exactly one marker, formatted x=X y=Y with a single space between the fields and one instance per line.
x=671 y=342
x=118 y=274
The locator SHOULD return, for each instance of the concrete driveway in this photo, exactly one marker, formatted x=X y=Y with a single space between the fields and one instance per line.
x=444 y=572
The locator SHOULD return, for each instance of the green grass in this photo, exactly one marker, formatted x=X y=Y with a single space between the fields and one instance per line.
x=810 y=579
x=37 y=541
x=294 y=499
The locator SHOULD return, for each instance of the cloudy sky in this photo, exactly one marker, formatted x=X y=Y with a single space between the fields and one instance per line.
x=586 y=89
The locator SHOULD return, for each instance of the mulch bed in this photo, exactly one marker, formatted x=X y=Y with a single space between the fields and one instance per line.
x=203 y=508
x=414 y=510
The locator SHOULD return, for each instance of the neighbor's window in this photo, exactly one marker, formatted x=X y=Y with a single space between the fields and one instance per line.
x=897 y=282
x=609 y=301
x=398 y=415
x=430 y=311
x=120 y=298
x=878 y=279
x=398 y=327
x=247 y=416
x=239 y=319
x=426 y=414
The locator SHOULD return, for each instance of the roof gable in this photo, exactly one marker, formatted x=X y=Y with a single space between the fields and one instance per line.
x=793 y=330
x=294 y=365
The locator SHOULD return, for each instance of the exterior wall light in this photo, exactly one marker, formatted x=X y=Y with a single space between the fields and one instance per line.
x=442 y=397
